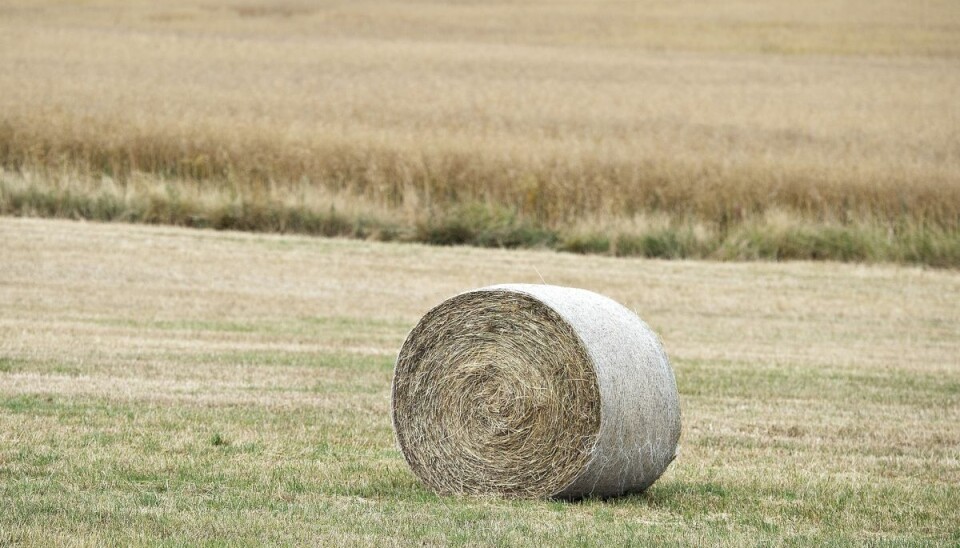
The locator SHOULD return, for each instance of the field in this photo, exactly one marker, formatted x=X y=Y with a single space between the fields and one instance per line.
x=192 y=386
x=188 y=386
x=733 y=130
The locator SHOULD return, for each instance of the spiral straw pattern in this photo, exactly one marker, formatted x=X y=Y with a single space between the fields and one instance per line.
x=496 y=392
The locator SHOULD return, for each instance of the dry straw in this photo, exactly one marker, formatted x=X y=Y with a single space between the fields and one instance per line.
x=535 y=391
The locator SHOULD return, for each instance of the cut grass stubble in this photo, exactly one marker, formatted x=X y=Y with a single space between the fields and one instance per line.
x=147 y=396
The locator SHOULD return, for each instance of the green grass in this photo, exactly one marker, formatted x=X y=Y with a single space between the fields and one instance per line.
x=762 y=237
x=785 y=381
x=110 y=471
x=312 y=325
x=8 y=365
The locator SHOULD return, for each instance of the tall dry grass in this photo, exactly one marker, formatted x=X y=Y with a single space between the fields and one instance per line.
x=564 y=114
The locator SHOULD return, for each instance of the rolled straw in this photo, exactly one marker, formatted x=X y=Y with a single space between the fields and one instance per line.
x=535 y=391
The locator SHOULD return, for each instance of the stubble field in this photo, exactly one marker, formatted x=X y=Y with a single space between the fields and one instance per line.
x=186 y=386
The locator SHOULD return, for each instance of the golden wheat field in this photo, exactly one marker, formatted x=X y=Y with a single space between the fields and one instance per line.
x=723 y=130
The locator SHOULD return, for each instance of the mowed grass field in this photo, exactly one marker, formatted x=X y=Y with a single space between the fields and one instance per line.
x=733 y=130
x=179 y=386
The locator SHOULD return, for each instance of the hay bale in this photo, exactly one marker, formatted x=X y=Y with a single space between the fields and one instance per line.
x=535 y=391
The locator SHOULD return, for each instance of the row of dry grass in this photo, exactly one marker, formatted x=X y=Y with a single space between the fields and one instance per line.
x=772 y=235
x=559 y=112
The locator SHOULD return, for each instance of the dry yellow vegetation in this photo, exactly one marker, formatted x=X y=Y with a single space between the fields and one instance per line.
x=153 y=392
x=574 y=116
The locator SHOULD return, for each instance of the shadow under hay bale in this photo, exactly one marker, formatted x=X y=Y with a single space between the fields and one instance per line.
x=535 y=391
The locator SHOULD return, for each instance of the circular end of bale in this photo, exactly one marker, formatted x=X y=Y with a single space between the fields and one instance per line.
x=494 y=393
x=534 y=391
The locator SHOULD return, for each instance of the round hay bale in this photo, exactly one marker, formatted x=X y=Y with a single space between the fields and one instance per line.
x=535 y=391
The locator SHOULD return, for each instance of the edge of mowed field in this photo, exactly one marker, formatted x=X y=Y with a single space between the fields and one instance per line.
x=770 y=236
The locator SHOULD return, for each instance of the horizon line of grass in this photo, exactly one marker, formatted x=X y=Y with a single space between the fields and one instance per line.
x=767 y=237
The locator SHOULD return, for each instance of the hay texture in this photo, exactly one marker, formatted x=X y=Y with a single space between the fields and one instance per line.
x=535 y=391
